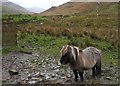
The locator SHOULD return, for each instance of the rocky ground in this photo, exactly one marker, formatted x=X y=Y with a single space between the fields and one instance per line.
x=36 y=68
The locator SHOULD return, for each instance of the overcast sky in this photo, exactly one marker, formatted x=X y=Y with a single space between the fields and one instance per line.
x=45 y=4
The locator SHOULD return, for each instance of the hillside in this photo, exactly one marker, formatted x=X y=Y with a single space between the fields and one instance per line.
x=73 y=7
x=12 y=8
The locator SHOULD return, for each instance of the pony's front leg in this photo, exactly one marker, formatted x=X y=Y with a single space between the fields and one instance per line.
x=94 y=71
x=76 y=75
x=81 y=75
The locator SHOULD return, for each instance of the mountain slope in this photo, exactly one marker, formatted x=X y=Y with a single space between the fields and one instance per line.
x=12 y=8
x=73 y=7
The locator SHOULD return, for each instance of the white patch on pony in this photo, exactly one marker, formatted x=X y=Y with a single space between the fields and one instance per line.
x=73 y=52
x=64 y=50
x=77 y=50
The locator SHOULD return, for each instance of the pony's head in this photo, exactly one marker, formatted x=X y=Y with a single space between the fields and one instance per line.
x=68 y=54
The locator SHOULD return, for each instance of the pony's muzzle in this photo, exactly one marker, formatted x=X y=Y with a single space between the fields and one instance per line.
x=62 y=62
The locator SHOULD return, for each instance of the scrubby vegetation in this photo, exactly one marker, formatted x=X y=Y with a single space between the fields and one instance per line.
x=22 y=18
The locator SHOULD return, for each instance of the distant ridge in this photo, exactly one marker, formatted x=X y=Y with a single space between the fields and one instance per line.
x=35 y=9
x=73 y=7
x=12 y=8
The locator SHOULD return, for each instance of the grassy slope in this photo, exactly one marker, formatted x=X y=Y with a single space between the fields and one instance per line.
x=74 y=7
x=51 y=45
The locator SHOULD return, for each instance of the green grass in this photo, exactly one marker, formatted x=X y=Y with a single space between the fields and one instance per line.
x=8 y=49
x=23 y=18
x=43 y=43
x=51 y=45
x=110 y=58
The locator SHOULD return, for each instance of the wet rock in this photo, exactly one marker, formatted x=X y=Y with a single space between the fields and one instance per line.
x=43 y=66
x=36 y=74
x=14 y=57
x=42 y=61
x=118 y=67
x=55 y=67
x=47 y=76
x=42 y=74
x=57 y=70
x=34 y=78
x=15 y=82
x=27 y=72
x=47 y=59
x=53 y=75
x=13 y=72
x=69 y=76
x=29 y=76
x=32 y=82
x=59 y=63
x=27 y=79
x=40 y=79
x=63 y=77
x=102 y=74
x=60 y=81
x=108 y=78
x=33 y=75
x=35 y=54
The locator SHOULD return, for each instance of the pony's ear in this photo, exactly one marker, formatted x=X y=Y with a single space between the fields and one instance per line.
x=69 y=49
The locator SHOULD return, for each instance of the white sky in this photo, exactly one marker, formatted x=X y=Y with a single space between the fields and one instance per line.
x=45 y=4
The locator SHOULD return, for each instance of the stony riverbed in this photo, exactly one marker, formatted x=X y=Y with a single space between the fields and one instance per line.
x=36 y=68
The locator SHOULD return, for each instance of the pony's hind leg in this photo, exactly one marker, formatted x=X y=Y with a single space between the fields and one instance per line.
x=98 y=68
x=81 y=75
x=94 y=71
x=76 y=75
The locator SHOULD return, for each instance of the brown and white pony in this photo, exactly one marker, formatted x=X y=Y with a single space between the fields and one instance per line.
x=80 y=60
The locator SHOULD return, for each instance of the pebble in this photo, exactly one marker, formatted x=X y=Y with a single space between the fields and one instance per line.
x=29 y=76
x=42 y=61
x=36 y=74
x=43 y=66
x=42 y=74
x=13 y=72
x=60 y=81
x=53 y=75
x=68 y=76
x=35 y=54
x=57 y=70
x=32 y=82
x=59 y=63
x=108 y=78
x=34 y=78
x=63 y=77
x=55 y=67
x=40 y=79
x=47 y=77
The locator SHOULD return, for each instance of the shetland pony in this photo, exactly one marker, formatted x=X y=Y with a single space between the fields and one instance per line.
x=80 y=60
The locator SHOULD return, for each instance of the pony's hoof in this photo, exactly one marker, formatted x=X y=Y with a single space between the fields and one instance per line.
x=82 y=79
x=98 y=75
x=76 y=80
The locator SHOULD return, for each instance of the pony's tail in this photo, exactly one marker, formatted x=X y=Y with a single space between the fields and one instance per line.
x=99 y=63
